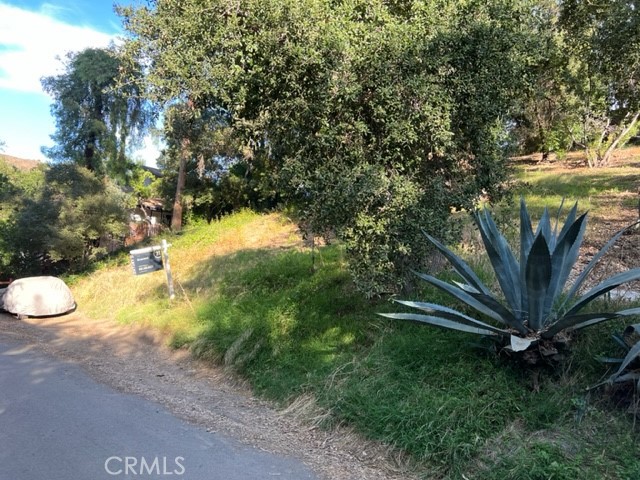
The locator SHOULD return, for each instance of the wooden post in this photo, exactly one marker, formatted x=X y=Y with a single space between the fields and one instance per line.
x=167 y=269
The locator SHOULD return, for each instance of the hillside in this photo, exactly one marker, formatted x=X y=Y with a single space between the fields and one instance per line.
x=19 y=163
x=286 y=320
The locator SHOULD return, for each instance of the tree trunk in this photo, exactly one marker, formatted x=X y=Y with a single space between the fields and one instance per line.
x=176 y=217
x=612 y=148
x=89 y=153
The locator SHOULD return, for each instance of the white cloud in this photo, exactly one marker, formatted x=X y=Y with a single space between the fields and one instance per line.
x=32 y=44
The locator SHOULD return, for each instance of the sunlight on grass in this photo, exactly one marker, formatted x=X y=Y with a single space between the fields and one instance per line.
x=250 y=298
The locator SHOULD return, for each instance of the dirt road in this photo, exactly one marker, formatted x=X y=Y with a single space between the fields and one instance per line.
x=135 y=361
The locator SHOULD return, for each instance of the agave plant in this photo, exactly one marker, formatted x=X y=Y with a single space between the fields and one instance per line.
x=629 y=366
x=535 y=308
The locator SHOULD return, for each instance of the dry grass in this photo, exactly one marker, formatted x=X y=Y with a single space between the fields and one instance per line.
x=115 y=293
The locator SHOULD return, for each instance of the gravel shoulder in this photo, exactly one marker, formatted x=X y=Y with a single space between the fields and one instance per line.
x=135 y=361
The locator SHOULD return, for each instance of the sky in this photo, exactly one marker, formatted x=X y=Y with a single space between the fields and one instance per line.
x=34 y=36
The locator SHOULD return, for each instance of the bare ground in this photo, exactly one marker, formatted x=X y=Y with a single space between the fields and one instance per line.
x=614 y=211
x=135 y=361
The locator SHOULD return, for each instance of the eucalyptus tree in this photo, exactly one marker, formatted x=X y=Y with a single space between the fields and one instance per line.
x=97 y=119
x=375 y=118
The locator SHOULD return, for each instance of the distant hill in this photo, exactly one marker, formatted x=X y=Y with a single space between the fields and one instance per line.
x=20 y=163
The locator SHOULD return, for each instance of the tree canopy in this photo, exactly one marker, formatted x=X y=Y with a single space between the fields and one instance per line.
x=55 y=218
x=375 y=119
x=96 y=119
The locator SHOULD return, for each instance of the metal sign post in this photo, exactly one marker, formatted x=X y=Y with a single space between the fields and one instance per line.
x=167 y=269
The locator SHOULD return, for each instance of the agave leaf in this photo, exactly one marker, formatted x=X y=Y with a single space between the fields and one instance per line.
x=466 y=288
x=596 y=258
x=590 y=322
x=491 y=302
x=630 y=357
x=438 y=322
x=537 y=276
x=451 y=314
x=575 y=322
x=635 y=328
x=579 y=321
x=604 y=287
x=509 y=318
x=620 y=341
x=459 y=265
x=563 y=258
x=526 y=240
x=544 y=228
x=610 y=360
x=504 y=263
x=629 y=312
x=569 y=221
x=627 y=377
x=463 y=296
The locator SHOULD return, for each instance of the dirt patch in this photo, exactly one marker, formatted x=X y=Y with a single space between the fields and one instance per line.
x=613 y=209
x=135 y=361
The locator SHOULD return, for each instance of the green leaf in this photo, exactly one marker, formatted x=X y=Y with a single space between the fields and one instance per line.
x=459 y=265
x=438 y=322
x=538 y=276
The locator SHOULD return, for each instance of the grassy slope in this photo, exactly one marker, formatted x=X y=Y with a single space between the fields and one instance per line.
x=248 y=297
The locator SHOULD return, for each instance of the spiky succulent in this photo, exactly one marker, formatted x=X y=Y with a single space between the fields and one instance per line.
x=534 y=306
x=628 y=367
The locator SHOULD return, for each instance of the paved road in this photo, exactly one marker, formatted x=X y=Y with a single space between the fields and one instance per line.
x=56 y=423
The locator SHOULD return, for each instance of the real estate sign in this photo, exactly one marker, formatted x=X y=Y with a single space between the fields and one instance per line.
x=152 y=259
x=146 y=260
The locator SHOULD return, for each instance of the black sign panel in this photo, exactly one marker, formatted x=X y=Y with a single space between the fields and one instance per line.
x=145 y=262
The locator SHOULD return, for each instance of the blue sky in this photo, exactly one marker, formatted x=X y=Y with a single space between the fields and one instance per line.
x=32 y=35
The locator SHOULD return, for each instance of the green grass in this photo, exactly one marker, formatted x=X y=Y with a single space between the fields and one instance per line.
x=430 y=393
x=594 y=189
x=295 y=328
